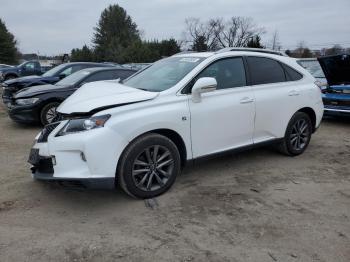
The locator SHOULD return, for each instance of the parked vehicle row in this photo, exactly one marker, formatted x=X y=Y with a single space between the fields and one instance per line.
x=141 y=132
x=38 y=104
x=34 y=99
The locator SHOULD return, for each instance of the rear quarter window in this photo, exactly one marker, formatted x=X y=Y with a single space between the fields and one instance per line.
x=291 y=74
x=265 y=71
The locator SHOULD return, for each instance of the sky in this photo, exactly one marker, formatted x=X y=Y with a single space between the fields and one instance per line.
x=51 y=27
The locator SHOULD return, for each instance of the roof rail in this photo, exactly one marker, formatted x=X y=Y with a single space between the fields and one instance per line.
x=247 y=49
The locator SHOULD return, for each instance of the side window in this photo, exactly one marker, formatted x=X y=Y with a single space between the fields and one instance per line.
x=72 y=69
x=228 y=72
x=67 y=71
x=99 y=76
x=265 y=71
x=122 y=74
x=291 y=74
x=29 y=66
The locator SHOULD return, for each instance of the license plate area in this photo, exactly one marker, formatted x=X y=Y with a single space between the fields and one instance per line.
x=34 y=157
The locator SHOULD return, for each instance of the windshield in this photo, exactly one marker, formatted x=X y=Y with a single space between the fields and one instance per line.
x=73 y=78
x=314 y=68
x=163 y=74
x=54 y=71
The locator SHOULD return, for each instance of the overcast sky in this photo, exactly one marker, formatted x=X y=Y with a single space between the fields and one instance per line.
x=56 y=26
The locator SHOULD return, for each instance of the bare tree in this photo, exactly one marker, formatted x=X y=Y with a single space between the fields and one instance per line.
x=236 y=32
x=275 y=43
x=196 y=30
x=217 y=33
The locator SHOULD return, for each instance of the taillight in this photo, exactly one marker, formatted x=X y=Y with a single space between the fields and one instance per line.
x=322 y=86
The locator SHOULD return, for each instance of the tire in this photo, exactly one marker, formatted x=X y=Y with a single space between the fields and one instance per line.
x=48 y=113
x=297 y=136
x=9 y=77
x=143 y=177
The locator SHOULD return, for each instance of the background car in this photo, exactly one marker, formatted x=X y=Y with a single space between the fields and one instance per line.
x=38 y=104
x=25 y=69
x=4 y=66
x=50 y=77
x=336 y=98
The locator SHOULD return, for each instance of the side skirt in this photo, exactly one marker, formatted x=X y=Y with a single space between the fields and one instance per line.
x=233 y=151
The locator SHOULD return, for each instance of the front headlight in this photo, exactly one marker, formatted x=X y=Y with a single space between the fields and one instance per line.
x=83 y=124
x=27 y=101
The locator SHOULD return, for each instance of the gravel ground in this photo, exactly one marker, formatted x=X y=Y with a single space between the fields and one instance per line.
x=253 y=206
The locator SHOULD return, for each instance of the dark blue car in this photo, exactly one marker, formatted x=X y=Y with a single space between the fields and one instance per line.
x=336 y=98
x=50 y=77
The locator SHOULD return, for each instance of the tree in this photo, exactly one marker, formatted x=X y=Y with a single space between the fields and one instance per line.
x=218 y=33
x=200 y=34
x=85 y=54
x=335 y=50
x=114 y=33
x=301 y=51
x=199 y=44
x=236 y=32
x=8 y=49
x=254 y=42
x=275 y=43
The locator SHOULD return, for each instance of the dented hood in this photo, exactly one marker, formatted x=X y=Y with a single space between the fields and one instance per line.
x=98 y=96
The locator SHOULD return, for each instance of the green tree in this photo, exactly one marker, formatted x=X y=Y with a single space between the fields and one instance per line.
x=255 y=42
x=169 y=47
x=85 y=54
x=114 y=33
x=8 y=49
x=200 y=44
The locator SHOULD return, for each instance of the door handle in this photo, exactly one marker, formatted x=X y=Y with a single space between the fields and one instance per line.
x=293 y=93
x=246 y=100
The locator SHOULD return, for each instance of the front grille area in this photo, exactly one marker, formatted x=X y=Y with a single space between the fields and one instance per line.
x=336 y=102
x=47 y=131
x=45 y=166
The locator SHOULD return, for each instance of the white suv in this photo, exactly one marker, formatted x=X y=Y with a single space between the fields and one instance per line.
x=139 y=134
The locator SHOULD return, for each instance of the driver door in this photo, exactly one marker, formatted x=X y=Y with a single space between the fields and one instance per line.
x=224 y=119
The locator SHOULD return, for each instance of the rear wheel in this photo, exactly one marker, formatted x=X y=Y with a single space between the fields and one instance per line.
x=48 y=113
x=149 y=166
x=297 y=136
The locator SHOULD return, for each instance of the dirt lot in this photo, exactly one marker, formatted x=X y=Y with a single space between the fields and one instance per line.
x=253 y=206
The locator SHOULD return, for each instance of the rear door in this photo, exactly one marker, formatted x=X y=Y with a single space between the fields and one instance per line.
x=224 y=119
x=277 y=95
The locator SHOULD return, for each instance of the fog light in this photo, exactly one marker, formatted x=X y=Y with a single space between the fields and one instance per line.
x=82 y=155
x=53 y=159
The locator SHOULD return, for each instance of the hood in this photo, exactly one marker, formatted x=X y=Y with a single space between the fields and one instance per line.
x=23 y=79
x=336 y=69
x=8 y=69
x=39 y=90
x=102 y=95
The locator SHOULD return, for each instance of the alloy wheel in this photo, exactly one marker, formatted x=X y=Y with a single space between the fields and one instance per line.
x=300 y=134
x=152 y=168
x=51 y=114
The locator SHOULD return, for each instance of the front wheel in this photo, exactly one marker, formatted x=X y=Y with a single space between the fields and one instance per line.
x=297 y=136
x=149 y=166
x=48 y=113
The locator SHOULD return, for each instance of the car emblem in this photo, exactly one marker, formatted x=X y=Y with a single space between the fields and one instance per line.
x=334 y=103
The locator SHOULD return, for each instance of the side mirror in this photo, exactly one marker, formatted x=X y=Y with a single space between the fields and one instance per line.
x=203 y=85
x=61 y=76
